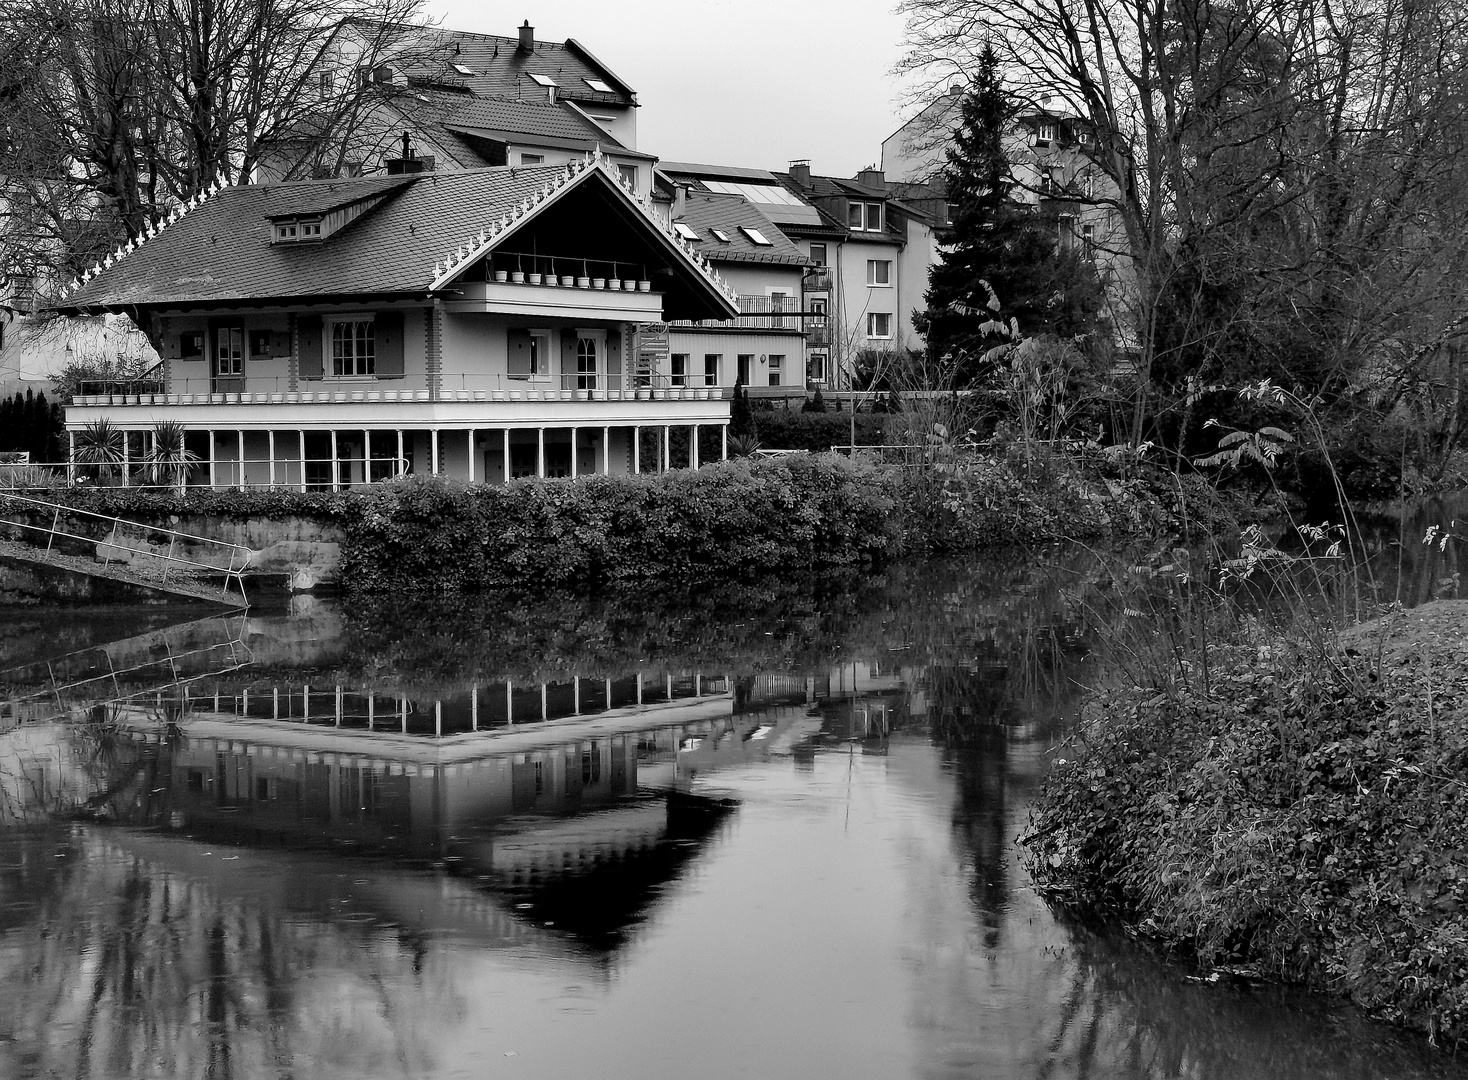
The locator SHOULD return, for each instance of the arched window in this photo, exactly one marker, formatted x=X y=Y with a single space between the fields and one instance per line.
x=585 y=363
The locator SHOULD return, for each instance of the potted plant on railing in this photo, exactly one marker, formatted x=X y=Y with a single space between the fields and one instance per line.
x=643 y=284
x=169 y=460
x=502 y=276
x=584 y=281
x=535 y=275
x=518 y=274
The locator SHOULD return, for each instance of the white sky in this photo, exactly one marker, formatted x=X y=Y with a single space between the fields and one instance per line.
x=755 y=83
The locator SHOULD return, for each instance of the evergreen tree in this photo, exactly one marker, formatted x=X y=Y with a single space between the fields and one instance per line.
x=1001 y=241
x=741 y=416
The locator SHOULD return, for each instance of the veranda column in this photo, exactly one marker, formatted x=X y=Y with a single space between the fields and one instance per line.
x=400 y=468
x=667 y=447
x=636 y=449
x=71 y=455
x=723 y=442
x=366 y=456
x=270 y=442
x=506 y=469
x=211 y=458
x=574 y=430
x=336 y=480
x=433 y=451
x=240 y=443
x=471 y=455
x=127 y=440
x=540 y=452
x=301 y=433
x=693 y=446
x=606 y=457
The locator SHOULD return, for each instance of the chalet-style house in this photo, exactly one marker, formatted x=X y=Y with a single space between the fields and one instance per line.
x=484 y=324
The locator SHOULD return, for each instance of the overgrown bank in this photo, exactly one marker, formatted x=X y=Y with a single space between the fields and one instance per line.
x=797 y=513
x=1307 y=820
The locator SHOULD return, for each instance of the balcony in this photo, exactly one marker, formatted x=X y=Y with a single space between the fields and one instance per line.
x=818 y=279
x=760 y=313
x=567 y=297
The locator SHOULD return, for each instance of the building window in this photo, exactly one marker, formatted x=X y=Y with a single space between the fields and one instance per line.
x=598 y=85
x=818 y=254
x=539 y=352
x=756 y=237
x=685 y=231
x=1047 y=132
x=229 y=350
x=815 y=367
x=721 y=236
x=585 y=363
x=879 y=272
x=532 y=159
x=879 y=324
x=628 y=173
x=679 y=375
x=777 y=368
x=353 y=348
x=327 y=82
x=285 y=232
x=191 y=345
x=864 y=217
x=540 y=80
x=1088 y=243
x=746 y=361
x=777 y=305
x=950 y=211
x=1083 y=137
x=711 y=362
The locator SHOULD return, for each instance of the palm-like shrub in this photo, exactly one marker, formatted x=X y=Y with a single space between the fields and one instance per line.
x=100 y=444
x=169 y=460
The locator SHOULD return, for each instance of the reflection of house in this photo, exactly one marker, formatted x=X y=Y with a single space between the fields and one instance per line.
x=483 y=324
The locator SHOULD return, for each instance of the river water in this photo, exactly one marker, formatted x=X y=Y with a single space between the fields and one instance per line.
x=754 y=831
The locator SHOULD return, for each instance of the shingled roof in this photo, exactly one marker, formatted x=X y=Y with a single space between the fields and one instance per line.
x=703 y=213
x=490 y=65
x=425 y=230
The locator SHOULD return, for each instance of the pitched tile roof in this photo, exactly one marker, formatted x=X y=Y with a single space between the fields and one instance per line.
x=727 y=213
x=524 y=117
x=222 y=251
x=500 y=70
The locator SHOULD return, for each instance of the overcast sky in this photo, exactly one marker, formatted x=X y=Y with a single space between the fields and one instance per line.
x=732 y=82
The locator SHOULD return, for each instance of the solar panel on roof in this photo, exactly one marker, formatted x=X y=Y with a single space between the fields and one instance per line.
x=766 y=194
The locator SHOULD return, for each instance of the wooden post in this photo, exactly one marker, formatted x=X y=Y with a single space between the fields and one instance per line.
x=212 y=465
x=336 y=480
x=606 y=451
x=240 y=443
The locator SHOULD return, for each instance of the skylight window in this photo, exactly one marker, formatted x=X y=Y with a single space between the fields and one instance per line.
x=756 y=237
x=542 y=80
x=685 y=232
x=599 y=86
x=721 y=236
x=462 y=70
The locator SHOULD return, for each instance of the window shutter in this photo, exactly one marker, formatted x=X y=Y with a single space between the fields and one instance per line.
x=171 y=349
x=308 y=327
x=388 y=334
x=517 y=353
x=280 y=343
x=568 y=352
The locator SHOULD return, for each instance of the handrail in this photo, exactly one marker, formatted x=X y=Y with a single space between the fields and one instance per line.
x=230 y=571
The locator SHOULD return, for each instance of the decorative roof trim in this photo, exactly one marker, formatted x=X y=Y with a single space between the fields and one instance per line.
x=154 y=229
x=454 y=262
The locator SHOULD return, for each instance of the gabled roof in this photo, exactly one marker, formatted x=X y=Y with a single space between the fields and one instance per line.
x=305 y=200
x=524 y=117
x=425 y=232
x=727 y=213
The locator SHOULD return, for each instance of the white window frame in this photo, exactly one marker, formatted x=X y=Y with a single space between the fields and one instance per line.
x=540 y=354
x=678 y=364
x=686 y=231
x=872 y=317
x=589 y=380
x=329 y=343
x=879 y=273
x=599 y=85
x=874 y=210
x=235 y=368
x=711 y=370
x=1047 y=131
x=531 y=159
x=757 y=238
x=776 y=368
x=631 y=175
x=541 y=80
x=286 y=232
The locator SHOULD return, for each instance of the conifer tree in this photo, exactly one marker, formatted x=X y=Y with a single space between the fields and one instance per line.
x=999 y=240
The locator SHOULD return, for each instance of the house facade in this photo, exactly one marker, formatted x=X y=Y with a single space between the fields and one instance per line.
x=482 y=324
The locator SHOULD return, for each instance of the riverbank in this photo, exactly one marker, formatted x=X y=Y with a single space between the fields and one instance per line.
x=1307 y=821
x=798 y=513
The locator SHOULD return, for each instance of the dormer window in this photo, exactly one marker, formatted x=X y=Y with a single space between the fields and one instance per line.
x=287 y=232
x=864 y=217
x=1047 y=131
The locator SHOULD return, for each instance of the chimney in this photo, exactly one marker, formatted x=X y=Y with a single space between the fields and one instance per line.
x=410 y=162
x=872 y=177
x=527 y=38
x=800 y=172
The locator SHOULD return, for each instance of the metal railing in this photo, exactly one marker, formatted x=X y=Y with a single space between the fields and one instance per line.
x=236 y=556
x=563 y=386
x=308 y=474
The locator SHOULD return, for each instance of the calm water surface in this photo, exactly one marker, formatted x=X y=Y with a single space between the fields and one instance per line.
x=749 y=832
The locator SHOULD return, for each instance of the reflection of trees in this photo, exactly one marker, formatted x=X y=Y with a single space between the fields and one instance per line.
x=139 y=972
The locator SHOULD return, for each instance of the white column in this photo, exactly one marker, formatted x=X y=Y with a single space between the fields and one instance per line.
x=301 y=433
x=540 y=452
x=693 y=446
x=509 y=703
x=636 y=449
x=336 y=484
x=366 y=456
x=270 y=439
x=474 y=707
x=667 y=447
x=212 y=456
x=433 y=451
x=574 y=429
x=127 y=439
x=723 y=442
x=70 y=455
x=240 y=441
x=399 y=466
x=471 y=455
x=506 y=467
x=606 y=451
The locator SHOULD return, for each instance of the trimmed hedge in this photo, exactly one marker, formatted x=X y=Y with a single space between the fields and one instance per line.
x=817 y=432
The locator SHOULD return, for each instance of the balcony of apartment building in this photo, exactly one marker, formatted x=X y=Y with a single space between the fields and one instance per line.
x=778 y=313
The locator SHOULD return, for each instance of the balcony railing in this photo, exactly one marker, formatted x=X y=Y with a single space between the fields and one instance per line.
x=570 y=386
x=759 y=313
